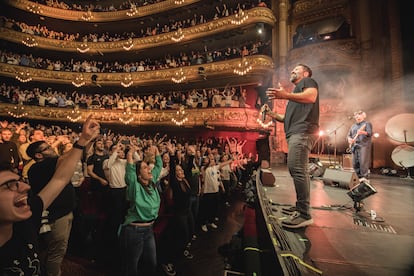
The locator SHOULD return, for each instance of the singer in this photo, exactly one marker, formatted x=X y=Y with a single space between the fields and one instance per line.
x=301 y=123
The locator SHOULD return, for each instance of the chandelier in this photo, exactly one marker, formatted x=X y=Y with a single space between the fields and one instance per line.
x=79 y=81
x=179 y=2
x=243 y=67
x=34 y=8
x=128 y=44
x=178 y=35
x=24 y=76
x=239 y=17
x=83 y=48
x=30 y=42
x=179 y=76
x=75 y=115
x=182 y=118
x=132 y=10
x=18 y=111
x=87 y=16
x=127 y=82
x=127 y=117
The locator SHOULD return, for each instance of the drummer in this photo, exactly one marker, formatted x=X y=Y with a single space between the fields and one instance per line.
x=360 y=142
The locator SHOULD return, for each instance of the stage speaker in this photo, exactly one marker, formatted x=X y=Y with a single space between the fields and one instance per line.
x=347 y=162
x=339 y=178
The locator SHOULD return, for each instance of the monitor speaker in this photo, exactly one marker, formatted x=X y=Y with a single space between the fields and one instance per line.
x=340 y=178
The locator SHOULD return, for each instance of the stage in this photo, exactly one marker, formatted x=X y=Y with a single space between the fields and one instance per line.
x=343 y=241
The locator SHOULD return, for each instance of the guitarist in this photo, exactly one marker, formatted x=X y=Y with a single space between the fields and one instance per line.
x=360 y=141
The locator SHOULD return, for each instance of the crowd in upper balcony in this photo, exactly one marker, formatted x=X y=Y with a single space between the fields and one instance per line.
x=204 y=98
x=97 y=7
x=173 y=25
x=148 y=64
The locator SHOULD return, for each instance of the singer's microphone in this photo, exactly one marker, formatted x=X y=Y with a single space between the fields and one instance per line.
x=264 y=115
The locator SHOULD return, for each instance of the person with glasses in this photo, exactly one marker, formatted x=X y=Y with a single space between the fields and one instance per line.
x=20 y=214
x=360 y=140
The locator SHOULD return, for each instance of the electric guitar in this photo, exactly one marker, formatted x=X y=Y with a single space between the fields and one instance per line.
x=352 y=144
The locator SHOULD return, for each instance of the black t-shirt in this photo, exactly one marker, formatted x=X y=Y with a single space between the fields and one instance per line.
x=19 y=255
x=302 y=117
x=39 y=175
x=97 y=162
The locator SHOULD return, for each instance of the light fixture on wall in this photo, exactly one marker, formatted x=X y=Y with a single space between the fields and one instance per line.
x=79 y=81
x=239 y=17
x=179 y=76
x=83 y=47
x=126 y=117
x=34 y=8
x=18 y=111
x=181 y=117
x=243 y=67
x=132 y=10
x=127 y=81
x=128 y=44
x=23 y=76
x=75 y=115
x=30 y=42
x=178 y=35
x=87 y=16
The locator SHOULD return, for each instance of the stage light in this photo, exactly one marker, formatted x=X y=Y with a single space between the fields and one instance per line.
x=360 y=192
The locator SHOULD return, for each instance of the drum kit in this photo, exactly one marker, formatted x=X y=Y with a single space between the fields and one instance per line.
x=401 y=129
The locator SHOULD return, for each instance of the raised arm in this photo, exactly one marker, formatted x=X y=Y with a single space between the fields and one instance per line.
x=67 y=163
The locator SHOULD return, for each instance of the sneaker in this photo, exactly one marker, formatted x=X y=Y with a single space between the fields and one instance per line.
x=296 y=221
x=289 y=210
x=213 y=225
x=188 y=255
x=204 y=228
x=169 y=269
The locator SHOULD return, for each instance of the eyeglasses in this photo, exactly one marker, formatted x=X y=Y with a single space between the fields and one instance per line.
x=12 y=185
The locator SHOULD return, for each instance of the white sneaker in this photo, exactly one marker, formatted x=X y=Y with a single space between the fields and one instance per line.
x=204 y=228
x=213 y=225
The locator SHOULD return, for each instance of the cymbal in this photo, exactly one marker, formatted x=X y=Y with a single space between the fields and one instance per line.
x=403 y=156
x=401 y=127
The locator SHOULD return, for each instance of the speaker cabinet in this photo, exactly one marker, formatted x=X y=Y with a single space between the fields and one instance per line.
x=339 y=178
x=347 y=161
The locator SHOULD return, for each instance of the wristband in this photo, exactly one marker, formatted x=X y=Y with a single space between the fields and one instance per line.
x=77 y=146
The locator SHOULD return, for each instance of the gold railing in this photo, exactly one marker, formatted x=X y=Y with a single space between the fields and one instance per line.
x=74 y=15
x=256 y=15
x=211 y=118
x=262 y=68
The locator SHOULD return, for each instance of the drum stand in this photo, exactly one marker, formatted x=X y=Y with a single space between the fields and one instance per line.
x=408 y=171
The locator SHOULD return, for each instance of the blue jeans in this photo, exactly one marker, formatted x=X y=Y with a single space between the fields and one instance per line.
x=361 y=160
x=138 y=242
x=299 y=147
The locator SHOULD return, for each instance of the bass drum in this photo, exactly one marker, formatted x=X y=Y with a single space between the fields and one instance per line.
x=403 y=156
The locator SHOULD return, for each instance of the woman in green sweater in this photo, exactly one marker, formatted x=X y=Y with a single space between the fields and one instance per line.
x=136 y=234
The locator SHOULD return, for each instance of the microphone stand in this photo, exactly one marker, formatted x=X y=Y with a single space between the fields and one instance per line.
x=334 y=133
